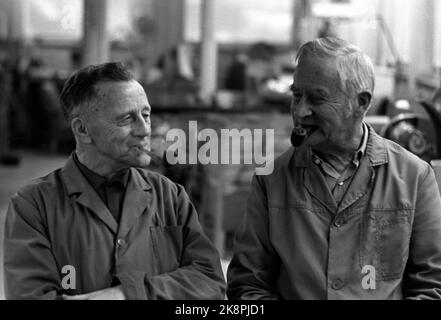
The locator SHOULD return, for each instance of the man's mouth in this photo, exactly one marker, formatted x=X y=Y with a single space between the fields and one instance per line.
x=141 y=148
x=300 y=132
x=310 y=128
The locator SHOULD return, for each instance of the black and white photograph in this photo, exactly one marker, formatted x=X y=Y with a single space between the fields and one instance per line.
x=220 y=151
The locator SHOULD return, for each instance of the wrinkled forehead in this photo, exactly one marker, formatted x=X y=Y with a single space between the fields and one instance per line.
x=120 y=96
x=311 y=70
x=113 y=89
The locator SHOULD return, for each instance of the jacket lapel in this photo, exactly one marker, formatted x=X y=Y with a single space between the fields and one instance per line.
x=360 y=185
x=137 y=199
x=83 y=193
x=317 y=186
x=376 y=155
x=314 y=181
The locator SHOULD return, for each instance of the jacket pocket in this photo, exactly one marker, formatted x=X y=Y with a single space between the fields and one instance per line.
x=384 y=242
x=167 y=244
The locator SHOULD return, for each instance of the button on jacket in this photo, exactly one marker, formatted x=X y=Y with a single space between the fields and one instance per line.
x=383 y=241
x=158 y=250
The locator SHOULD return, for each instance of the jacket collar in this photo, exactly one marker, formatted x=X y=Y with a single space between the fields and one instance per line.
x=76 y=183
x=136 y=199
x=376 y=148
x=121 y=177
x=376 y=151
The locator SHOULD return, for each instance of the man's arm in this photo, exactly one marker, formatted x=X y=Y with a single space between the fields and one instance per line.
x=253 y=270
x=200 y=274
x=30 y=270
x=422 y=278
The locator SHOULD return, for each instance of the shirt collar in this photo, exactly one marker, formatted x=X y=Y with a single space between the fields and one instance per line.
x=362 y=149
x=376 y=150
x=355 y=160
x=96 y=180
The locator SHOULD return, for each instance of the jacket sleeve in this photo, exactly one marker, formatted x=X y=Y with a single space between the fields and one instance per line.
x=30 y=270
x=422 y=279
x=200 y=274
x=255 y=264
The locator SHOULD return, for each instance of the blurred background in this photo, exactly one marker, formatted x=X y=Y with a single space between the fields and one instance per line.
x=225 y=63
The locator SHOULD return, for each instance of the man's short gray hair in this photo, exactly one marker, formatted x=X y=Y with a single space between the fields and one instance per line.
x=355 y=68
x=80 y=89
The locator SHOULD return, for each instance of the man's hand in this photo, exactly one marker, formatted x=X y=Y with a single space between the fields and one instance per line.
x=114 y=293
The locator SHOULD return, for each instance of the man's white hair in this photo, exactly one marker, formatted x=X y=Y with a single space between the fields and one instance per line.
x=355 y=68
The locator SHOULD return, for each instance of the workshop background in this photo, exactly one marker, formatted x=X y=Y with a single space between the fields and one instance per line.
x=224 y=63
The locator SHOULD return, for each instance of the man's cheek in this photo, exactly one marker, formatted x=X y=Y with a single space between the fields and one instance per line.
x=120 y=146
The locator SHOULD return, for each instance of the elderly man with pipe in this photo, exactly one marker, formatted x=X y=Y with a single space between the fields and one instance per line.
x=346 y=214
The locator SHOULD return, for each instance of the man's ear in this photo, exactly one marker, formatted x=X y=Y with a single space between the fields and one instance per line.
x=80 y=130
x=364 y=101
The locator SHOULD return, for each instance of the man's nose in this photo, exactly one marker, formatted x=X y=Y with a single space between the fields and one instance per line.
x=300 y=109
x=142 y=128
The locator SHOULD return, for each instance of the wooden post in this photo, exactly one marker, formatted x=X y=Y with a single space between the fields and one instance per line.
x=214 y=187
x=5 y=92
x=169 y=34
x=95 y=41
x=213 y=206
x=301 y=9
x=422 y=39
x=18 y=12
x=208 y=53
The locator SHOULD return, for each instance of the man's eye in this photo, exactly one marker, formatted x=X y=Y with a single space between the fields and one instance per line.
x=296 y=97
x=146 y=117
x=125 y=121
x=315 y=100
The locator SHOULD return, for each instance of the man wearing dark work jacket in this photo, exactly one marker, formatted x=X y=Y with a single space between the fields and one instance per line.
x=103 y=226
x=111 y=191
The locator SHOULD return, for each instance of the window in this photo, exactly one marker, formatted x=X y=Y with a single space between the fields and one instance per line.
x=53 y=19
x=63 y=19
x=244 y=21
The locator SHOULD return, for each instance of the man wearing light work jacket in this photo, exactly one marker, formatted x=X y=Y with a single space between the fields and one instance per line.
x=346 y=214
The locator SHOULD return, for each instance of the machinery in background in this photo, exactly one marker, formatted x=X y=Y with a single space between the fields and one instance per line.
x=420 y=133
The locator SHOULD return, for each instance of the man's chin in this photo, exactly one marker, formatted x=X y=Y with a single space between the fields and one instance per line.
x=140 y=161
x=313 y=139
x=144 y=161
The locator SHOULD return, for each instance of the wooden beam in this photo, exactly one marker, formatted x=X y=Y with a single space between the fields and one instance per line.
x=95 y=41
x=208 y=68
x=300 y=10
